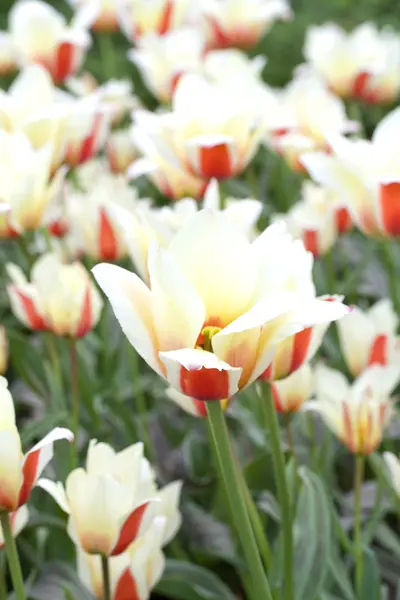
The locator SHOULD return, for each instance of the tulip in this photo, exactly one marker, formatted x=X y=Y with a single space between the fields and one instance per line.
x=291 y=393
x=171 y=179
x=19 y=473
x=115 y=95
x=393 y=465
x=93 y=216
x=211 y=132
x=104 y=17
x=316 y=219
x=357 y=414
x=163 y=60
x=363 y=64
x=32 y=107
x=3 y=350
x=192 y=406
x=25 y=183
x=366 y=175
x=216 y=307
x=241 y=23
x=88 y=127
x=7 y=55
x=107 y=506
x=121 y=151
x=61 y=51
x=309 y=115
x=369 y=337
x=60 y=298
x=141 y=17
x=18 y=520
x=134 y=573
x=228 y=65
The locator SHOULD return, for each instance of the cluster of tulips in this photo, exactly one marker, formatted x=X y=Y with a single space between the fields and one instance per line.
x=110 y=206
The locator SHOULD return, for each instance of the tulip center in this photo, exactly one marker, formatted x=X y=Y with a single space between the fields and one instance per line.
x=206 y=336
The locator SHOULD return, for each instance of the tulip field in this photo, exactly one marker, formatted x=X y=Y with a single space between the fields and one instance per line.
x=200 y=300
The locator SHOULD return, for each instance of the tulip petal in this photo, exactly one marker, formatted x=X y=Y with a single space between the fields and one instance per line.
x=26 y=308
x=390 y=207
x=178 y=309
x=37 y=459
x=130 y=529
x=200 y=374
x=126 y=587
x=212 y=156
x=217 y=258
x=131 y=301
x=56 y=490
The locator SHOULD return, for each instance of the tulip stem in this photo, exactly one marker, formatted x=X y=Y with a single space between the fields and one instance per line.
x=105 y=567
x=358 y=482
x=278 y=457
x=73 y=357
x=234 y=489
x=12 y=555
x=391 y=269
x=3 y=572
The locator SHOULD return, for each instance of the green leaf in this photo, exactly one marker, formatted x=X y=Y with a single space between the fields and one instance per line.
x=339 y=575
x=312 y=532
x=388 y=539
x=185 y=581
x=371 y=582
x=55 y=581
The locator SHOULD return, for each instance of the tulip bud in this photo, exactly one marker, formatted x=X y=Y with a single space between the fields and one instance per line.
x=138 y=18
x=60 y=298
x=290 y=394
x=121 y=151
x=369 y=337
x=18 y=473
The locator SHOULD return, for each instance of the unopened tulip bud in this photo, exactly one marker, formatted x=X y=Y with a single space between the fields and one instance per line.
x=60 y=297
x=121 y=151
x=290 y=394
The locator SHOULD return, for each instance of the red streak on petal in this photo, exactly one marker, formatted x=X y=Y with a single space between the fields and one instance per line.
x=390 y=207
x=301 y=344
x=130 y=529
x=310 y=240
x=343 y=220
x=86 y=321
x=64 y=62
x=360 y=85
x=348 y=430
x=29 y=471
x=174 y=82
x=280 y=407
x=200 y=407
x=126 y=587
x=34 y=319
x=108 y=245
x=267 y=375
x=378 y=351
x=215 y=161
x=205 y=384
x=166 y=18
x=59 y=227
x=89 y=145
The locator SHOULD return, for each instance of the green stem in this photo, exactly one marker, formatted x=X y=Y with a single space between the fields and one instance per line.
x=392 y=272
x=107 y=55
x=244 y=576
x=358 y=549
x=12 y=555
x=105 y=568
x=3 y=577
x=235 y=491
x=141 y=405
x=73 y=357
x=272 y=426
x=257 y=525
x=313 y=438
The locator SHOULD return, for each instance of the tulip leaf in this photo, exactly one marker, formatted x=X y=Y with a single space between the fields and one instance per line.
x=185 y=581
x=55 y=581
x=340 y=577
x=371 y=582
x=312 y=532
